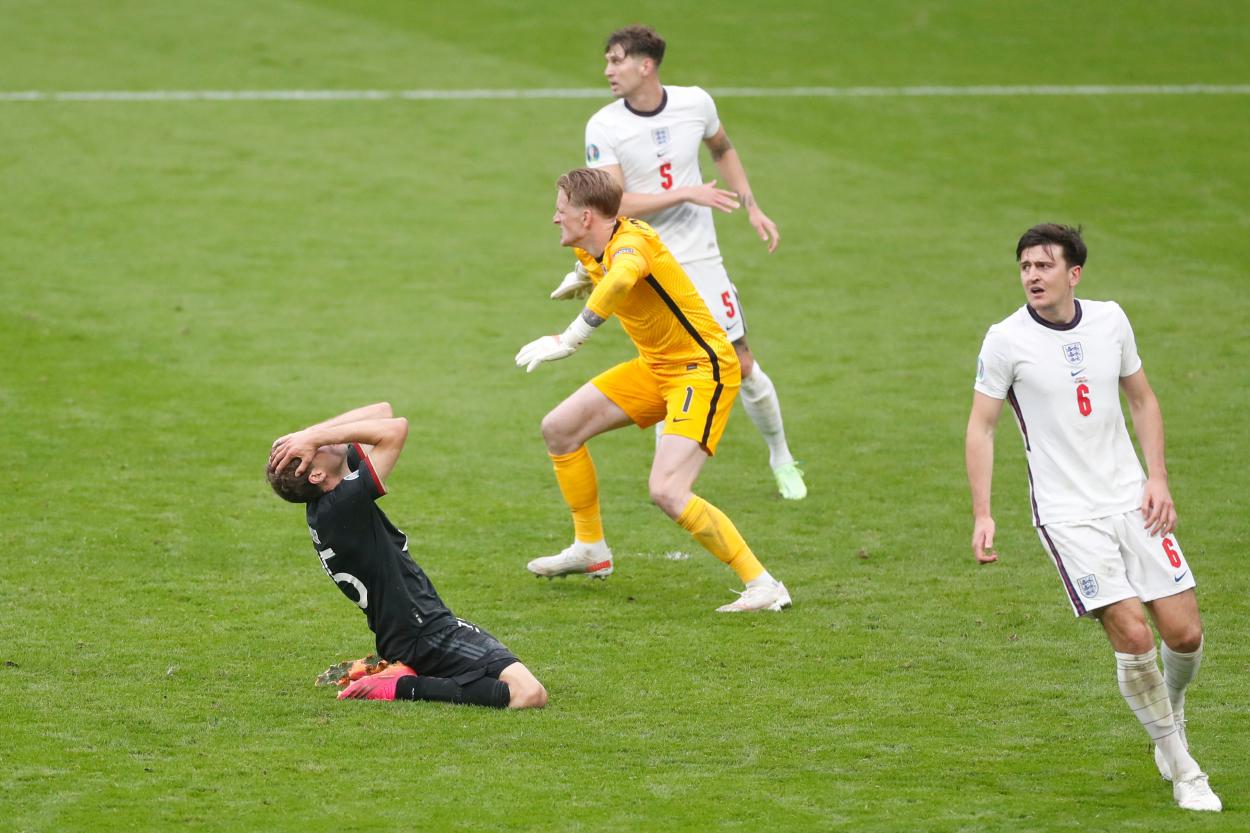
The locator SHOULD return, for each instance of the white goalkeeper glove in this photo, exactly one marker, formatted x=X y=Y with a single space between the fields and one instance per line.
x=576 y=284
x=553 y=348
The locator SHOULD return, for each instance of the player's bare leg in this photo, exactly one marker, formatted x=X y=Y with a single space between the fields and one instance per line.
x=584 y=414
x=759 y=399
x=678 y=461
x=525 y=692
x=1180 y=629
x=1143 y=688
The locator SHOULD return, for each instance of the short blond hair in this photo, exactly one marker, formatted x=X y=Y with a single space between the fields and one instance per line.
x=592 y=188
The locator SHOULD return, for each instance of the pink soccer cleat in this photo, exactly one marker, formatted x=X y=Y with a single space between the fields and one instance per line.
x=377 y=686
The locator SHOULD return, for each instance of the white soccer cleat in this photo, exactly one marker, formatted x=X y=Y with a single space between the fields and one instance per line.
x=773 y=597
x=1162 y=762
x=594 y=560
x=1196 y=794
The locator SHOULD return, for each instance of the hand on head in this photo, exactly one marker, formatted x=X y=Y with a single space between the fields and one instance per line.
x=290 y=447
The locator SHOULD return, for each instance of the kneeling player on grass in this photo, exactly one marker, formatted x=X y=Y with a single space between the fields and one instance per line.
x=337 y=468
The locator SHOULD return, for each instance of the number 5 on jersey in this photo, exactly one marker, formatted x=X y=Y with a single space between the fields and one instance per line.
x=666 y=176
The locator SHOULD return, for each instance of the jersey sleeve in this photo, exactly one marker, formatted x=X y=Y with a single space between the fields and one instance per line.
x=599 y=149
x=362 y=482
x=1130 y=362
x=628 y=266
x=346 y=505
x=994 y=367
x=707 y=109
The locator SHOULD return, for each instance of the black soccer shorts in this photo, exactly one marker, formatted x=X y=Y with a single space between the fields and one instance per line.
x=462 y=652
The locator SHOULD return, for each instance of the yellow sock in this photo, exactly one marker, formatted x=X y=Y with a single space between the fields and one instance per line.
x=711 y=528
x=575 y=473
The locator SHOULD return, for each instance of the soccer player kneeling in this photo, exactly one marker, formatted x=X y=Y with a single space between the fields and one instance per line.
x=337 y=468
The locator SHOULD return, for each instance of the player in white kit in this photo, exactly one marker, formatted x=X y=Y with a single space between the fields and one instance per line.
x=649 y=140
x=1062 y=363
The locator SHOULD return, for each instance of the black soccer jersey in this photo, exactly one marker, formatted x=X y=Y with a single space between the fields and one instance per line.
x=367 y=557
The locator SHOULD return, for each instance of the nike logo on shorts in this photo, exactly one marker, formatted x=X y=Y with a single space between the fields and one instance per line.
x=1177 y=579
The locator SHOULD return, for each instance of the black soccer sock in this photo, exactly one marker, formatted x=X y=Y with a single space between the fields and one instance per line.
x=485 y=691
x=439 y=689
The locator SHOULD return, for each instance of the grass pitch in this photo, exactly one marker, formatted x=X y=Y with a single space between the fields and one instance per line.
x=182 y=281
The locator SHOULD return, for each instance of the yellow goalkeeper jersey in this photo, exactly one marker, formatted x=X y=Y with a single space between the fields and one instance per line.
x=640 y=282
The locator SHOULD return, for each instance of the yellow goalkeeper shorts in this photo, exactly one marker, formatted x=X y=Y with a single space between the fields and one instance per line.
x=687 y=397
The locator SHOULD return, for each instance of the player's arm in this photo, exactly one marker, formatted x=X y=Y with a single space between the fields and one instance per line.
x=979 y=457
x=735 y=175
x=384 y=437
x=378 y=410
x=1156 y=506
x=635 y=204
x=627 y=268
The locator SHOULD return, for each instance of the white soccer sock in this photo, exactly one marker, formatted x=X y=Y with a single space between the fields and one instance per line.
x=1142 y=685
x=759 y=399
x=763 y=578
x=1179 y=670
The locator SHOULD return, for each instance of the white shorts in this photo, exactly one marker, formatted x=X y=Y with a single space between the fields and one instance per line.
x=719 y=293
x=1107 y=560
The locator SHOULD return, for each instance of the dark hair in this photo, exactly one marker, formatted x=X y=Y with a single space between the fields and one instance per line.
x=1054 y=234
x=638 y=40
x=292 y=488
x=592 y=188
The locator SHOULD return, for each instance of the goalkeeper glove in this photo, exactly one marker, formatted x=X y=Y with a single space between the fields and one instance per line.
x=553 y=348
x=576 y=284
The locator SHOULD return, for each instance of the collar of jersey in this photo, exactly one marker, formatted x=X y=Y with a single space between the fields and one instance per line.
x=1076 y=319
x=646 y=114
x=615 y=229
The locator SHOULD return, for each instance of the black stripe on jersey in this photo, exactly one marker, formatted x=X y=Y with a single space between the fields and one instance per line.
x=1015 y=406
x=707 y=348
x=1024 y=430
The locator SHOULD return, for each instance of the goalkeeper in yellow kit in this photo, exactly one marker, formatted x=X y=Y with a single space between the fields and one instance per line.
x=686 y=375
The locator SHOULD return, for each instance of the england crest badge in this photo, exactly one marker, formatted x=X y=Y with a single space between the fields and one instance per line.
x=1074 y=354
x=1088 y=586
x=659 y=135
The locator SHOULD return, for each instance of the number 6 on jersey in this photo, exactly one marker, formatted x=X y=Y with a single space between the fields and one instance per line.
x=1082 y=400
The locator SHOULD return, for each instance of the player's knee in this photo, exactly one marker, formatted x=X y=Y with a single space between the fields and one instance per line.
x=557 y=434
x=527 y=696
x=670 y=500
x=1137 y=638
x=1186 y=639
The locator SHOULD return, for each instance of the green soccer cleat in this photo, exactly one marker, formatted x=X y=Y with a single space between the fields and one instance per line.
x=790 y=481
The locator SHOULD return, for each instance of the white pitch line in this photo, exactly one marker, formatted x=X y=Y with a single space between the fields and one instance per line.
x=599 y=93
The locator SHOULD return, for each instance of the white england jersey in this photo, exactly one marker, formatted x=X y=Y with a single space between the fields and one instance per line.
x=658 y=151
x=1063 y=382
